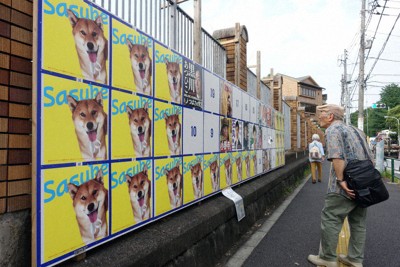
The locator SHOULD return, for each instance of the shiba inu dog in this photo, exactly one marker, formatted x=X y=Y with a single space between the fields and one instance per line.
x=247 y=161
x=173 y=127
x=197 y=180
x=90 y=202
x=139 y=188
x=141 y=66
x=265 y=161
x=226 y=101
x=140 y=125
x=214 y=171
x=255 y=164
x=239 y=168
x=174 y=183
x=91 y=46
x=90 y=123
x=174 y=80
x=228 y=172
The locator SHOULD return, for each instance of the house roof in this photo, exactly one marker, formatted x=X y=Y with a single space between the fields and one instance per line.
x=230 y=33
x=304 y=80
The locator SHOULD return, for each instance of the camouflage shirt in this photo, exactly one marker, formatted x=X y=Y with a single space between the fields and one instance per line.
x=342 y=142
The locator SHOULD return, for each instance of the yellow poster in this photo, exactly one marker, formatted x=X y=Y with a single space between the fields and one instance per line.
x=131 y=185
x=167 y=129
x=75 y=208
x=237 y=171
x=246 y=161
x=193 y=178
x=75 y=121
x=132 y=117
x=76 y=40
x=168 y=184
x=132 y=62
x=226 y=166
x=211 y=173
x=253 y=163
x=168 y=78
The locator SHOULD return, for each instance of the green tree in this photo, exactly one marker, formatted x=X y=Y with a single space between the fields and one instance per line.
x=390 y=95
x=374 y=120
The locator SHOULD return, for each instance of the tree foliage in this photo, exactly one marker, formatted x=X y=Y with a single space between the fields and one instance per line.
x=390 y=95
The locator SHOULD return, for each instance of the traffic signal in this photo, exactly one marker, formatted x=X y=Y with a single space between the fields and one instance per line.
x=378 y=105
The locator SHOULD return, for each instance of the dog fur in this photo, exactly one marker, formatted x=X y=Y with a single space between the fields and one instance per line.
x=139 y=188
x=197 y=180
x=140 y=126
x=173 y=128
x=239 y=168
x=90 y=202
x=174 y=184
x=90 y=123
x=214 y=173
x=141 y=66
x=174 y=80
x=91 y=46
x=255 y=164
x=228 y=172
x=247 y=161
x=226 y=101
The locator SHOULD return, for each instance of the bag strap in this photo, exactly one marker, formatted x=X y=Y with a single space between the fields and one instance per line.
x=362 y=141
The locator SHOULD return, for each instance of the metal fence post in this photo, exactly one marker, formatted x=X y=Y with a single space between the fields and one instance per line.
x=392 y=169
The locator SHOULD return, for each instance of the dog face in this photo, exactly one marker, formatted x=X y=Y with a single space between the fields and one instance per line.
x=174 y=79
x=140 y=126
x=239 y=168
x=90 y=202
x=141 y=64
x=173 y=128
x=197 y=180
x=91 y=45
x=214 y=171
x=247 y=161
x=228 y=171
x=139 y=187
x=174 y=184
x=90 y=122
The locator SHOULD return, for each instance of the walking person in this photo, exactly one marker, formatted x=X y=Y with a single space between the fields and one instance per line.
x=316 y=157
x=342 y=145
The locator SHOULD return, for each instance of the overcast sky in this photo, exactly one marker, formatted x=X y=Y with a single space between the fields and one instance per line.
x=307 y=37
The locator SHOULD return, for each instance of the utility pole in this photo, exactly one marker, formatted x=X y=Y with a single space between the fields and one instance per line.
x=361 y=74
x=197 y=32
x=346 y=89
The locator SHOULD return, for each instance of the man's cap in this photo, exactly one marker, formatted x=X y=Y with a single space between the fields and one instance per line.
x=336 y=110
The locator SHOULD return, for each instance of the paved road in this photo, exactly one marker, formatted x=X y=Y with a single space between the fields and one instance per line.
x=288 y=239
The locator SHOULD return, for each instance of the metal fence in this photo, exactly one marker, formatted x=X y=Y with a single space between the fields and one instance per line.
x=169 y=24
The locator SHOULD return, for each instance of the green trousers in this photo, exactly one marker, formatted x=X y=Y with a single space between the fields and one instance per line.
x=336 y=208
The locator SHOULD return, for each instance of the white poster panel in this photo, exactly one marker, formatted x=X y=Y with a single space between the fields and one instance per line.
x=245 y=107
x=259 y=161
x=265 y=137
x=211 y=133
x=211 y=92
x=253 y=110
x=273 y=138
x=237 y=103
x=192 y=131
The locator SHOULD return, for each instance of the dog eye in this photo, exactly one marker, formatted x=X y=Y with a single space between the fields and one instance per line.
x=94 y=112
x=136 y=56
x=83 y=32
x=94 y=34
x=142 y=183
x=94 y=192
x=142 y=118
x=135 y=120
x=82 y=114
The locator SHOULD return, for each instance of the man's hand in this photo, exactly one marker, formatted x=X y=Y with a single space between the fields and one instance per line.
x=349 y=192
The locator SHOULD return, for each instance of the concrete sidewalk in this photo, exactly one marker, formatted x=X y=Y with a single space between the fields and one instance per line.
x=292 y=232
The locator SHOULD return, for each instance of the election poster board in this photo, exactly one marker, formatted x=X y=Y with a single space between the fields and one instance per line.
x=128 y=130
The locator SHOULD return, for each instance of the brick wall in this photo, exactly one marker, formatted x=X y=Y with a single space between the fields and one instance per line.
x=16 y=20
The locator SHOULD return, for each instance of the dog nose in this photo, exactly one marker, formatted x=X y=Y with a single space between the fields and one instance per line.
x=89 y=125
x=141 y=66
x=140 y=129
x=174 y=185
x=90 y=45
x=90 y=207
x=140 y=194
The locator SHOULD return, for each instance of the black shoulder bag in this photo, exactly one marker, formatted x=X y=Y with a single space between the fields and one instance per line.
x=366 y=181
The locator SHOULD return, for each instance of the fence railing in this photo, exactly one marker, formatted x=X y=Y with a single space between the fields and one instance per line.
x=169 y=24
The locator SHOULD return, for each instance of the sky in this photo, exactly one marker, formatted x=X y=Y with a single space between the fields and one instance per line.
x=308 y=37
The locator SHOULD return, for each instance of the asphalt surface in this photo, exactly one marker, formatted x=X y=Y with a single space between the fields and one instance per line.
x=296 y=232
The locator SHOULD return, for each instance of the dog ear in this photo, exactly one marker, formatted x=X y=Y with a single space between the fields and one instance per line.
x=73 y=19
x=166 y=173
x=129 y=111
x=72 y=189
x=99 y=177
x=146 y=106
x=72 y=103
x=145 y=169
x=99 y=98
x=129 y=44
x=166 y=117
x=99 y=22
x=166 y=61
x=128 y=179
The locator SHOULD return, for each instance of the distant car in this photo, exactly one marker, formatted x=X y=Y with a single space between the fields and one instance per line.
x=388 y=132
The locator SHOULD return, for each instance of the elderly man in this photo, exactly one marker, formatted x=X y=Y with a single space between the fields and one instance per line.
x=343 y=145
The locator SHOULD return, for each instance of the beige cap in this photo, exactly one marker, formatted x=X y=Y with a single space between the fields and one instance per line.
x=336 y=110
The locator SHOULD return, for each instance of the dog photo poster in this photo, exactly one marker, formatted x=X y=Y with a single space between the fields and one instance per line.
x=132 y=116
x=168 y=187
x=225 y=169
x=132 y=61
x=168 y=74
x=193 y=188
x=131 y=184
x=192 y=84
x=167 y=129
x=211 y=173
x=76 y=40
x=75 y=208
x=74 y=121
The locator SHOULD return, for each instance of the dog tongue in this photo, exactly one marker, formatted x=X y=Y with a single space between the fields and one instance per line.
x=92 y=57
x=142 y=72
x=92 y=136
x=141 y=137
x=141 y=201
x=93 y=216
x=174 y=138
